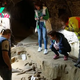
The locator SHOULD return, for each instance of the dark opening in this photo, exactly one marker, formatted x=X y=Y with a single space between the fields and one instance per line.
x=22 y=17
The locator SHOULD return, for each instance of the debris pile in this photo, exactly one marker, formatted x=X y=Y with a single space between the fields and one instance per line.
x=31 y=69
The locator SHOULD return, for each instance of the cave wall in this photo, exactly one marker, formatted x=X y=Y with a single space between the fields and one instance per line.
x=22 y=13
x=72 y=7
x=18 y=8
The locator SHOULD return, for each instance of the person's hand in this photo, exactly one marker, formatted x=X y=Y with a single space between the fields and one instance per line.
x=57 y=48
x=41 y=18
x=36 y=18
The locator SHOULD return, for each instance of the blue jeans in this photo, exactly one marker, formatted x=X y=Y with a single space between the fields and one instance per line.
x=42 y=32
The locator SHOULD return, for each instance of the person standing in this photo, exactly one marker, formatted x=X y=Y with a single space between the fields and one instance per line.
x=41 y=15
x=5 y=55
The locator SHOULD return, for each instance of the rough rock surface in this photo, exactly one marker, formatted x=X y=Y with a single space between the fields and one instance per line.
x=59 y=7
x=51 y=69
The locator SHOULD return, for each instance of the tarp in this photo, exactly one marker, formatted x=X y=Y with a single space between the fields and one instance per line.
x=74 y=22
x=78 y=19
x=1 y=9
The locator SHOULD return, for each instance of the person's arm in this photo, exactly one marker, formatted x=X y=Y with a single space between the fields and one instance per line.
x=51 y=43
x=36 y=15
x=5 y=49
x=47 y=15
x=6 y=59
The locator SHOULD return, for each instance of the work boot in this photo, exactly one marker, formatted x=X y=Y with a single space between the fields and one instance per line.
x=75 y=64
x=78 y=65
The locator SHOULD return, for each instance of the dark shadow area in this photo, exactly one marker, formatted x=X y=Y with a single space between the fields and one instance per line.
x=22 y=21
x=22 y=12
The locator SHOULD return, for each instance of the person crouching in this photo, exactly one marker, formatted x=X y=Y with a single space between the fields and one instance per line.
x=59 y=44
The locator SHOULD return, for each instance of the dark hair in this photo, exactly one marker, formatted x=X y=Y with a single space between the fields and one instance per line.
x=5 y=31
x=53 y=33
x=38 y=3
